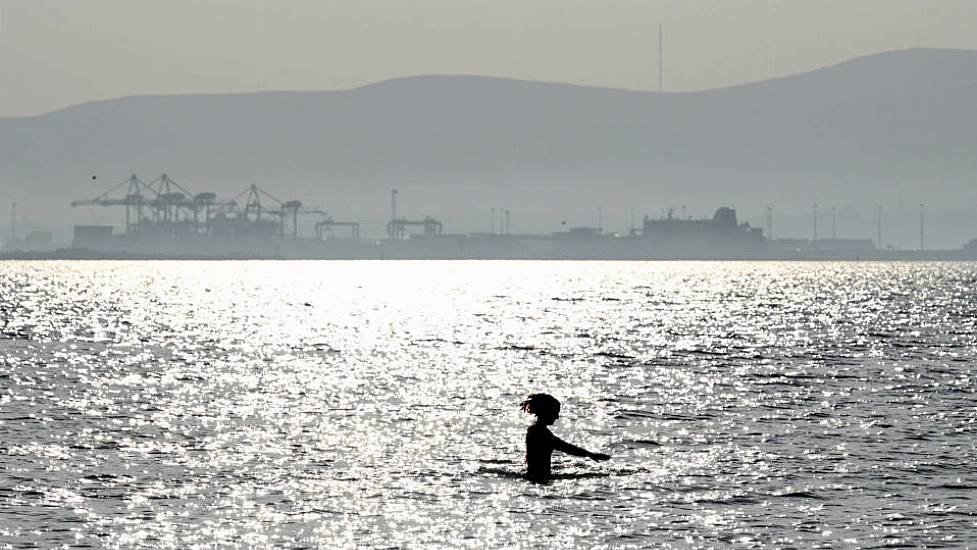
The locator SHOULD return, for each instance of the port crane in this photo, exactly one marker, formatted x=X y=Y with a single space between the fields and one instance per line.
x=325 y=225
x=284 y=213
x=397 y=227
x=163 y=207
x=134 y=200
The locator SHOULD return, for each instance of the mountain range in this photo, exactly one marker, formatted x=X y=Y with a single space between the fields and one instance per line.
x=890 y=128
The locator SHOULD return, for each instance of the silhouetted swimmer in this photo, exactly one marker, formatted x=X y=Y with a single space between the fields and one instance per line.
x=540 y=441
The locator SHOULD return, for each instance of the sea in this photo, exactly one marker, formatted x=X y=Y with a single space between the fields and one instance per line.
x=375 y=404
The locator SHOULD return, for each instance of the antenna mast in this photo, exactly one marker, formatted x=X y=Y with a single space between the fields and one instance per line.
x=661 y=73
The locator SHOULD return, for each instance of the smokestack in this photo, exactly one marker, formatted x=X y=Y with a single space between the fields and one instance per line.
x=393 y=204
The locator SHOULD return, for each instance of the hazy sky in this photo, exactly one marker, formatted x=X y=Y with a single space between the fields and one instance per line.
x=55 y=53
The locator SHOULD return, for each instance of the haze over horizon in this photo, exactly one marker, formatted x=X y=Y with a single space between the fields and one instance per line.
x=56 y=54
x=888 y=129
x=848 y=104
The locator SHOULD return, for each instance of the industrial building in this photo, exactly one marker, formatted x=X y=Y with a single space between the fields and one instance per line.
x=162 y=218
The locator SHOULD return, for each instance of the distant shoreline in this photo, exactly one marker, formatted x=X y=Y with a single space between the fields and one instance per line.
x=961 y=255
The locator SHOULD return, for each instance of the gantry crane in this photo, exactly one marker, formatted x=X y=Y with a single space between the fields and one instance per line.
x=285 y=215
x=397 y=228
x=327 y=223
x=160 y=206
x=164 y=207
x=134 y=200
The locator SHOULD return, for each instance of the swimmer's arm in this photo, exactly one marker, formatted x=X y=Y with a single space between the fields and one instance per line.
x=572 y=449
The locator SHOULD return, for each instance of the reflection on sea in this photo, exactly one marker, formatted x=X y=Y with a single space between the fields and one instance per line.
x=336 y=404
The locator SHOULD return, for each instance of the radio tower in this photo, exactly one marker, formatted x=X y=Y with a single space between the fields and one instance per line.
x=661 y=73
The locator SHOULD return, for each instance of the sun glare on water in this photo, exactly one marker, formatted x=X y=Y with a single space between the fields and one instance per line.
x=376 y=403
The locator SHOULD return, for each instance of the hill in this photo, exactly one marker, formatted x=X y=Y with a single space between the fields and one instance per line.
x=857 y=134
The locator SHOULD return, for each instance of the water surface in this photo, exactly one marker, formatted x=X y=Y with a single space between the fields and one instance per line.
x=341 y=404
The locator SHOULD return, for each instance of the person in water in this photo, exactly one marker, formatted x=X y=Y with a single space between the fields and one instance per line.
x=540 y=441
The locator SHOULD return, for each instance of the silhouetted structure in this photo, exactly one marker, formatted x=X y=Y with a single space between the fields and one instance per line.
x=397 y=229
x=324 y=226
x=722 y=225
x=720 y=236
x=164 y=219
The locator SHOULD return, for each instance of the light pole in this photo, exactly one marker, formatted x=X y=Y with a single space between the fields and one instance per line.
x=815 y=241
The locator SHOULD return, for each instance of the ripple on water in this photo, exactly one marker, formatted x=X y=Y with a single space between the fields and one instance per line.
x=297 y=404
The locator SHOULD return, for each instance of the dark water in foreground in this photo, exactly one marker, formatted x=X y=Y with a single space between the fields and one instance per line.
x=337 y=404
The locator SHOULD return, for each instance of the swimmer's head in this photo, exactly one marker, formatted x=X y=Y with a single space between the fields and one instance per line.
x=543 y=405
